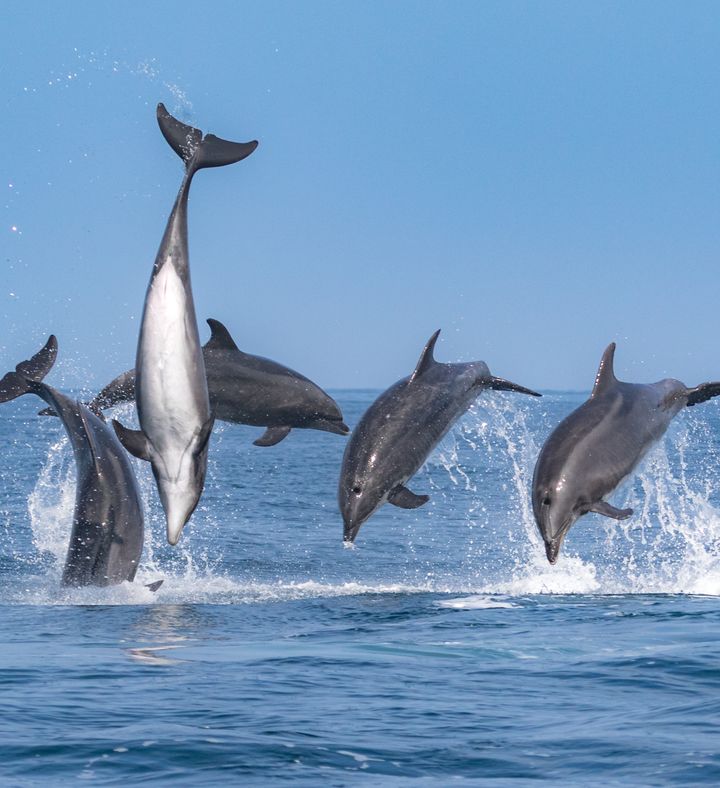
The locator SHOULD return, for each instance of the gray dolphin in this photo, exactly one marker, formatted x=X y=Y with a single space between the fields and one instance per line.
x=400 y=429
x=171 y=387
x=107 y=530
x=247 y=389
x=599 y=444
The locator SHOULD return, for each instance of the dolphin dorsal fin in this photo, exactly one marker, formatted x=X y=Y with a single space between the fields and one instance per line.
x=220 y=338
x=426 y=359
x=605 y=377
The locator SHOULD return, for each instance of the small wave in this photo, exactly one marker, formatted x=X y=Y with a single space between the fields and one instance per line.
x=475 y=602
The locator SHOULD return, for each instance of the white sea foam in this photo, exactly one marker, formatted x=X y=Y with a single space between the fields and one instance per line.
x=475 y=602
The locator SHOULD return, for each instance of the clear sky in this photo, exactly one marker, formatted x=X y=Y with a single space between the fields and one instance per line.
x=535 y=178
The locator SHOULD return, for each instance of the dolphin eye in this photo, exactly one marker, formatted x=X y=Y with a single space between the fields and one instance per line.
x=357 y=489
x=546 y=501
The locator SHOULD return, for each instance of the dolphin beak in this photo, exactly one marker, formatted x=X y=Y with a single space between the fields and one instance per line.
x=350 y=532
x=552 y=550
x=331 y=425
x=338 y=427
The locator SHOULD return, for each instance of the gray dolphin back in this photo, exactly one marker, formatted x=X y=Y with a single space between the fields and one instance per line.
x=600 y=444
x=106 y=540
x=246 y=389
x=401 y=428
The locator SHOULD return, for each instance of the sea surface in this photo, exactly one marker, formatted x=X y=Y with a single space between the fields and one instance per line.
x=443 y=649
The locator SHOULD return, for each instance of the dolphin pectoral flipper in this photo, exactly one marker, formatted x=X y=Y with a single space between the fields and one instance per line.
x=204 y=434
x=154 y=585
x=406 y=499
x=198 y=151
x=498 y=384
x=135 y=441
x=702 y=393
x=608 y=510
x=272 y=435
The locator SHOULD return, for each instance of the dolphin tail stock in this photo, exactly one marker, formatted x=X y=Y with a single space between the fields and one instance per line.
x=26 y=373
x=196 y=150
x=702 y=393
x=498 y=384
x=92 y=406
x=120 y=389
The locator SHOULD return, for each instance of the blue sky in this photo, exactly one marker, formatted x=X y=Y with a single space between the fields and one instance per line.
x=536 y=179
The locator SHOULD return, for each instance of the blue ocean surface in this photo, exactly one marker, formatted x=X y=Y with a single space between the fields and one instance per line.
x=443 y=649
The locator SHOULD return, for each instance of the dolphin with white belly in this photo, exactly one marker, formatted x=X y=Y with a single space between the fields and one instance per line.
x=107 y=529
x=247 y=389
x=599 y=445
x=171 y=386
x=401 y=428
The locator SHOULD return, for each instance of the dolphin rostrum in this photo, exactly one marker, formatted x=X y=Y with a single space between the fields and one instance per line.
x=107 y=530
x=400 y=429
x=247 y=389
x=599 y=444
x=171 y=386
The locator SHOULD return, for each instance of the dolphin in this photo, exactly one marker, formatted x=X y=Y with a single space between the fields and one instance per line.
x=599 y=445
x=247 y=389
x=400 y=429
x=107 y=530
x=171 y=386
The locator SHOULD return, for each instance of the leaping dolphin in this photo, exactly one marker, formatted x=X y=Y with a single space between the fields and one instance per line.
x=247 y=389
x=600 y=444
x=171 y=387
x=401 y=428
x=107 y=530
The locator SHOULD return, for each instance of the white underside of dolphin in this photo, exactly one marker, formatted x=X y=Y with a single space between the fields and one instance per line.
x=171 y=387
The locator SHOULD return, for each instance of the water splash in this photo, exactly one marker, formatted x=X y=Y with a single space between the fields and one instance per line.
x=51 y=504
x=671 y=545
x=482 y=539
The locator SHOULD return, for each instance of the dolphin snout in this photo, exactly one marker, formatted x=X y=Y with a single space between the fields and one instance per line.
x=552 y=550
x=338 y=427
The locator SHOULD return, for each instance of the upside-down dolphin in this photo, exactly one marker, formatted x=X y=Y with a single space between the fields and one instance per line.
x=599 y=444
x=171 y=386
x=107 y=529
x=400 y=429
x=247 y=389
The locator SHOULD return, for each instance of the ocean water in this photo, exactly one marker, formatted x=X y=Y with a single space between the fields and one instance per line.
x=442 y=649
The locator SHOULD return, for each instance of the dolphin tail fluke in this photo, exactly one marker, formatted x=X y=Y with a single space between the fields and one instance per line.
x=498 y=384
x=19 y=382
x=702 y=393
x=197 y=151
x=154 y=585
